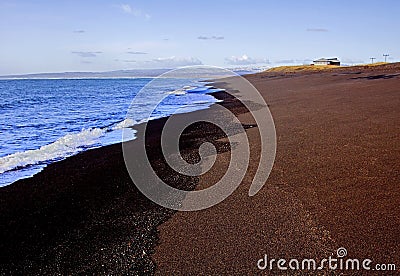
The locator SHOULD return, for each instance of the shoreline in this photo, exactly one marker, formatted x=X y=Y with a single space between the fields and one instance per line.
x=25 y=161
x=53 y=212
x=336 y=140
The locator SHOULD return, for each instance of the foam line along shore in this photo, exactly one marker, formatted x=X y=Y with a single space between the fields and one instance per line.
x=75 y=115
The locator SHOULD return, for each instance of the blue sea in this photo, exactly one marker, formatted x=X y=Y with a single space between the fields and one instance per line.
x=46 y=120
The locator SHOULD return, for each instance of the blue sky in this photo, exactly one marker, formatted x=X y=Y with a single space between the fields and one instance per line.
x=58 y=36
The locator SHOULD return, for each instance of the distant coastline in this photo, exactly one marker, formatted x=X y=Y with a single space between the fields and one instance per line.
x=117 y=74
x=150 y=73
x=153 y=73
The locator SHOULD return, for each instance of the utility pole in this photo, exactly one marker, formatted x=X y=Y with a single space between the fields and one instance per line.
x=385 y=55
x=372 y=60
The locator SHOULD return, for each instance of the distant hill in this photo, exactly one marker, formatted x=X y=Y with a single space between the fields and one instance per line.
x=132 y=73
x=77 y=75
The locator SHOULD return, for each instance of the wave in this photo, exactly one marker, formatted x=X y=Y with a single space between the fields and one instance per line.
x=63 y=147
x=74 y=143
x=181 y=91
x=67 y=145
x=124 y=124
x=196 y=89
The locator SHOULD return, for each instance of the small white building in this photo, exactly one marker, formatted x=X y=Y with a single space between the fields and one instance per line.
x=327 y=61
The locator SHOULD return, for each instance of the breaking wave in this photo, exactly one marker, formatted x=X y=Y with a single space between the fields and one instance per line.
x=65 y=146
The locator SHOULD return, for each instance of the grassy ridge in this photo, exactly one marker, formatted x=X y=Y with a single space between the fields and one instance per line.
x=316 y=68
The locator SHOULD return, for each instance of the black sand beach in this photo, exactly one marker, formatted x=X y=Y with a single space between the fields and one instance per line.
x=335 y=182
x=84 y=214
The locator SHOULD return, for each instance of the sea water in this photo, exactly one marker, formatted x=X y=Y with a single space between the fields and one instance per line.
x=46 y=120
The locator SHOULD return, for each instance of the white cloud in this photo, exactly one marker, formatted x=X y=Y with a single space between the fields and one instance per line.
x=245 y=60
x=126 y=8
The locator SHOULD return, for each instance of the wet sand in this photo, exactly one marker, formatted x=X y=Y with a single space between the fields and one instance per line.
x=335 y=183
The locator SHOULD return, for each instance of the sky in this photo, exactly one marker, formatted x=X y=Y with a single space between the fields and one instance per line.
x=104 y=35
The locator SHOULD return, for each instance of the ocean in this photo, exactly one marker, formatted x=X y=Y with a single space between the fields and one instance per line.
x=47 y=120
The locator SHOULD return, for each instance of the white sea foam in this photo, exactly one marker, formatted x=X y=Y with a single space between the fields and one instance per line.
x=178 y=92
x=63 y=147
x=72 y=144
x=181 y=91
x=124 y=124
